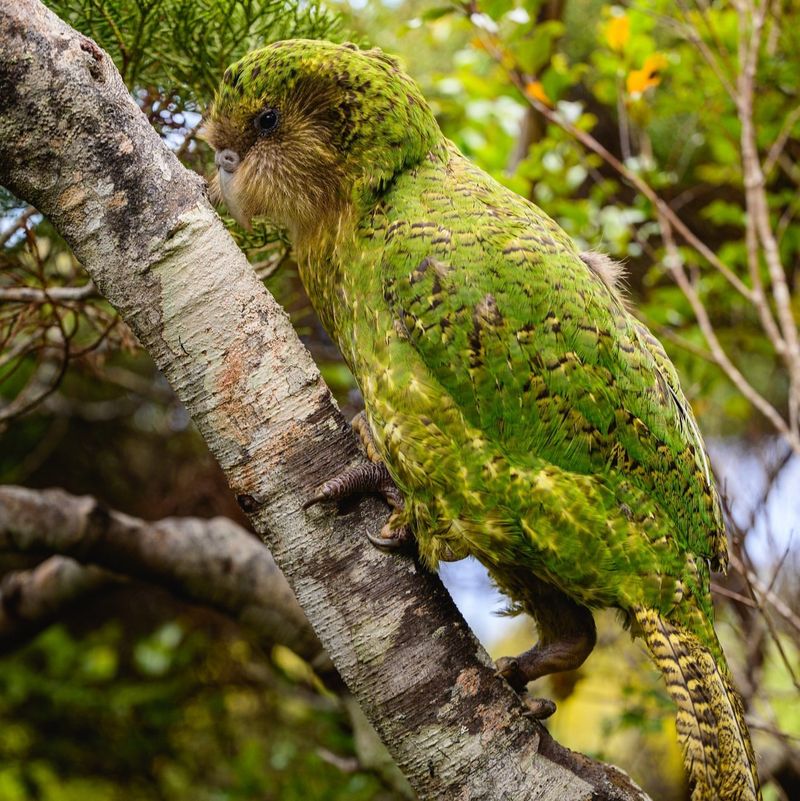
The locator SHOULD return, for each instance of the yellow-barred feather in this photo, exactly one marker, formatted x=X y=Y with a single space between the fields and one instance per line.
x=717 y=750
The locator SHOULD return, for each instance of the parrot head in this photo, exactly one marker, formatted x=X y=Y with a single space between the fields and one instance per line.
x=305 y=130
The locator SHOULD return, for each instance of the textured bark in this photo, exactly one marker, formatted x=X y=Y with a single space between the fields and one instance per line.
x=212 y=562
x=74 y=144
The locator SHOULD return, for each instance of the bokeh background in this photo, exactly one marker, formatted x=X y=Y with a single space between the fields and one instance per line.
x=664 y=133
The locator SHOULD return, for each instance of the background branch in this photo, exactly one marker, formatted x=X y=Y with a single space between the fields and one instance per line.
x=213 y=562
x=30 y=600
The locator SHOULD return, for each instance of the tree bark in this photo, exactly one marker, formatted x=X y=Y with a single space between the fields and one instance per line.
x=74 y=144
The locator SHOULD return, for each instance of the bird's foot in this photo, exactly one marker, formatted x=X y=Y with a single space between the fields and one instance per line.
x=509 y=668
x=357 y=480
x=372 y=477
x=361 y=478
x=364 y=478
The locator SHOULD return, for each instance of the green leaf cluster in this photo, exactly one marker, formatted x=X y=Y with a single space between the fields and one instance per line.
x=182 y=47
x=165 y=712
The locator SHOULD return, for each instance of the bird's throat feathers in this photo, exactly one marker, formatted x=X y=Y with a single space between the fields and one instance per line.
x=341 y=124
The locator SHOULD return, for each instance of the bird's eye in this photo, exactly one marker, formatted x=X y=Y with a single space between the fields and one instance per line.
x=267 y=121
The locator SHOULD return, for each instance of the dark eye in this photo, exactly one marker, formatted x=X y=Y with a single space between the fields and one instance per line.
x=267 y=121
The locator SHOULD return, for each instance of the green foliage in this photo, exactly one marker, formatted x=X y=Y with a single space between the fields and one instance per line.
x=164 y=714
x=182 y=47
x=172 y=53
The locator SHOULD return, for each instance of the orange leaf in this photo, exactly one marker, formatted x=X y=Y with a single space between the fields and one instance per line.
x=639 y=81
x=618 y=31
x=535 y=90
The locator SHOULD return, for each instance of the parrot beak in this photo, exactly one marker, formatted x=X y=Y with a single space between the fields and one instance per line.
x=227 y=162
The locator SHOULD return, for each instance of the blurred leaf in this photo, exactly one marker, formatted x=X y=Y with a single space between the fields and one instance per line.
x=649 y=76
x=617 y=31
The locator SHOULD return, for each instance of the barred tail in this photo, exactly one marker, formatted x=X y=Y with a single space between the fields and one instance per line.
x=716 y=744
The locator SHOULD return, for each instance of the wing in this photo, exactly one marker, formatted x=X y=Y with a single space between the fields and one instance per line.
x=537 y=347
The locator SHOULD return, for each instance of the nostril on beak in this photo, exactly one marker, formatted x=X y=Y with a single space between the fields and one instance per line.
x=227 y=160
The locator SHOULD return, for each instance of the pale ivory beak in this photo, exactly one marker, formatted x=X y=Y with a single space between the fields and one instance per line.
x=227 y=162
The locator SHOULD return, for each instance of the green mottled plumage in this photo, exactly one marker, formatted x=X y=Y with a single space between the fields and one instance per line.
x=527 y=417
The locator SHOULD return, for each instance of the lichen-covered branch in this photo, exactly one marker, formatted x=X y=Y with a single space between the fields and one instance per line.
x=74 y=145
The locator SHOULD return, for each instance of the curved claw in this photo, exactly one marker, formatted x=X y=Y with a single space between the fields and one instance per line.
x=538 y=708
x=391 y=539
x=386 y=543
x=370 y=476
x=508 y=668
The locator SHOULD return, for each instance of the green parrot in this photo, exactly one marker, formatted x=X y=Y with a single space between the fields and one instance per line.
x=515 y=410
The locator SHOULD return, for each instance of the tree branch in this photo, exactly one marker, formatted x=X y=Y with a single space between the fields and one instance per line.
x=674 y=263
x=141 y=226
x=56 y=294
x=16 y=225
x=213 y=562
x=751 y=26
x=30 y=600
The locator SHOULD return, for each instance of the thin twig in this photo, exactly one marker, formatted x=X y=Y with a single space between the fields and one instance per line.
x=754 y=587
x=781 y=735
x=17 y=224
x=766 y=594
x=735 y=596
x=29 y=294
x=123 y=48
x=191 y=135
x=674 y=263
x=693 y=36
x=773 y=473
x=780 y=142
x=722 y=51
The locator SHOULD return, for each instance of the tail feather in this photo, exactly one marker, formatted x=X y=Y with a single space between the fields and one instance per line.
x=716 y=744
